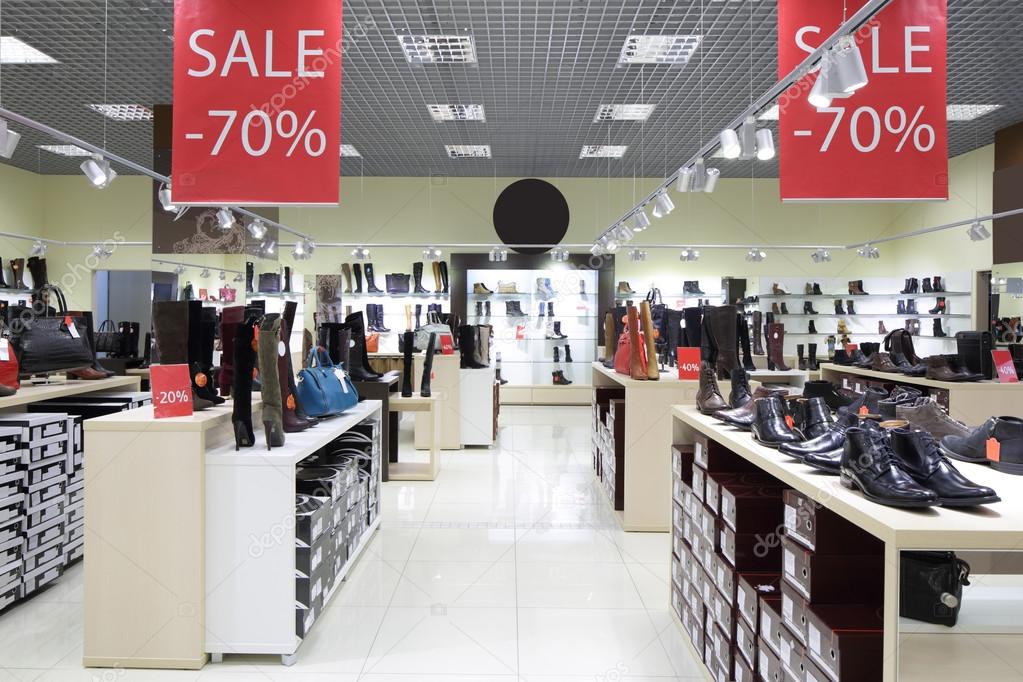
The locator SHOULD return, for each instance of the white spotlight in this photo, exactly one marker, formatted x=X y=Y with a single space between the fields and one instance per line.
x=699 y=175
x=225 y=218
x=179 y=269
x=689 y=255
x=257 y=228
x=978 y=232
x=609 y=244
x=39 y=248
x=685 y=179
x=730 y=147
x=623 y=233
x=820 y=93
x=755 y=256
x=101 y=252
x=361 y=253
x=748 y=139
x=637 y=255
x=711 y=179
x=498 y=255
x=430 y=253
x=765 y=144
x=821 y=256
x=640 y=220
x=223 y=276
x=559 y=254
x=238 y=278
x=848 y=74
x=663 y=205
x=303 y=249
x=205 y=273
x=868 y=251
x=8 y=140
x=164 y=195
x=98 y=171
x=268 y=247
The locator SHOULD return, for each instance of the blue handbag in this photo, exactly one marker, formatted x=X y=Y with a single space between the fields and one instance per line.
x=324 y=389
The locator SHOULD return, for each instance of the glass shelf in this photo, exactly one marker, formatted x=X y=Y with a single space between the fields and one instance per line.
x=853 y=334
x=901 y=316
x=860 y=297
x=384 y=294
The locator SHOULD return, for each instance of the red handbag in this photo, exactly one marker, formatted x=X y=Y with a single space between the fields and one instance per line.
x=8 y=365
x=623 y=354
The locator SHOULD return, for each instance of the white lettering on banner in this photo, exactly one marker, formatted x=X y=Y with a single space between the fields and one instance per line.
x=911 y=48
x=240 y=40
x=240 y=52
x=270 y=59
x=304 y=52
x=211 y=61
x=876 y=67
x=802 y=44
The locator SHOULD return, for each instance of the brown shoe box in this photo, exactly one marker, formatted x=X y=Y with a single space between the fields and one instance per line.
x=770 y=623
x=724 y=615
x=750 y=551
x=819 y=529
x=712 y=456
x=746 y=643
x=677 y=602
x=724 y=650
x=832 y=578
x=846 y=641
x=793 y=612
x=682 y=462
x=744 y=672
x=699 y=483
x=768 y=663
x=812 y=672
x=749 y=587
x=791 y=655
x=724 y=579
x=718 y=481
x=747 y=509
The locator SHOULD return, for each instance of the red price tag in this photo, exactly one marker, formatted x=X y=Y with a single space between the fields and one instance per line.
x=688 y=363
x=850 y=347
x=993 y=450
x=520 y=333
x=257 y=102
x=447 y=345
x=172 y=391
x=1005 y=367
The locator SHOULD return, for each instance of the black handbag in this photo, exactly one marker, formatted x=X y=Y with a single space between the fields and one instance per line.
x=269 y=282
x=931 y=586
x=47 y=344
x=974 y=350
x=657 y=313
x=397 y=283
x=108 y=338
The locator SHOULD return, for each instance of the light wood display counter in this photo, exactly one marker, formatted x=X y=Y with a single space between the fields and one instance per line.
x=971 y=402
x=996 y=527
x=446 y=382
x=172 y=513
x=29 y=393
x=428 y=415
x=648 y=419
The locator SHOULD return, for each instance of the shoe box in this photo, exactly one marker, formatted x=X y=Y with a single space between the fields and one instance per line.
x=749 y=551
x=768 y=664
x=821 y=530
x=744 y=672
x=748 y=590
x=10 y=454
x=845 y=641
x=319 y=481
x=312 y=519
x=833 y=578
x=312 y=587
x=746 y=644
x=613 y=455
x=305 y=616
x=770 y=626
x=35 y=427
x=11 y=486
x=129 y=399
x=601 y=441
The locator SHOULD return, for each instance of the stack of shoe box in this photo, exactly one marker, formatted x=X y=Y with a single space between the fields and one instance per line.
x=74 y=508
x=829 y=624
x=12 y=515
x=601 y=435
x=613 y=454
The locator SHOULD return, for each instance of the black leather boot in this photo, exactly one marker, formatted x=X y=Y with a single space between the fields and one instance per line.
x=357 y=271
x=725 y=338
x=927 y=288
x=37 y=268
x=466 y=347
x=824 y=389
x=286 y=288
x=811 y=327
x=758 y=333
x=811 y=361
x=358 y=366
x=849 y=308
x=444 y=275
x=869 y=465
x=828 y=443
x=871 y=399
x=769 y=427
x=250 y=274
x=708 y=398
x=800 y=357
x=907 y=286
x=742 y=417
x=921 y=458
x=940 y=308
x=900 y=307
x=693 y=332
x=1007 y=431
x=371 y=285
x=838 y=307
x=417 y=278
x=808 y=308
x=431 y=348
x=740 y=393
x=202 y=379
x=381 y=327
x=817 y=420
x=911 y=307
x=744 y=344
x=409 y=340
x=241 y=383
x=784 y=308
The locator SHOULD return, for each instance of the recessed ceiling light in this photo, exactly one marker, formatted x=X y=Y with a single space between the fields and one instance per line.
x=468 y=151
x=349 y=150
x=602 y=151
x=623 y=112
x=457 y=112
x=123 y=112
x=640 y=49
x=969 y=112
x=14 y=51
x=65 y=149
x=769 y=114
x=438 y=49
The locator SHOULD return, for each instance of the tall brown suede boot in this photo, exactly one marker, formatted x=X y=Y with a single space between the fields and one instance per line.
x=646 y=320
x=636 y=369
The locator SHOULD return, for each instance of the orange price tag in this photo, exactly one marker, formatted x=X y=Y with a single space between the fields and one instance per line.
x=864 y=411
x=994 y=450
x=790 y=421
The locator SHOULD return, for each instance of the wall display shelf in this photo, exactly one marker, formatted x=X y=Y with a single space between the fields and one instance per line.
x=647 y=474
x=999 y=528
x=385 y=295
x=971 y=402
x=910 y=316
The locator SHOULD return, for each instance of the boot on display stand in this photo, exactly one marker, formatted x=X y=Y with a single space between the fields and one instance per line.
x=250 y=275
x=540 y=309
x=380 y=319
x=417 y=278
x=438 y=285
x=838 y=307
x=486 y=308
x=419 y=315
x=346 y=273
x=484 y=334
x=784 y=308
x=551 y=293
x=409 y=340
x=801 y=358
x=900 y=307
x=646 y=321
x=817 y=289
x=230 y=320
x=357 y=271
x=541 y=290
x=808 y=308
x=911 y=307
x=725 y=338
x=744 y=343
x=610 y=340
x=3 y=282
x=808 y=289
x=811 y=361
x=371 y=318
x=292 y=423
x=201 y=380
x=444 y=276
x=479 y=309
x=758 y=338
x=777 y=290
x=467 y=348
x=431 y=348
x=811 y=327
x=287 y=324
x=775 y=347
x=692 y=334
x=557 y=330
x=708 y=398
x=926 y=287
x=558 y=378
x=938 y=331
x=849 y=308
x=371 y=285
x=938 y=286
x=880 y=327
x=550 y=309
x=775 y=308
x=624 y=289
x=359 y=368
x=273 y=412
x=18 y=270
x=568 y=353
x=557 y=355
x=241 y=381
x=907 y=288
x=37 y=268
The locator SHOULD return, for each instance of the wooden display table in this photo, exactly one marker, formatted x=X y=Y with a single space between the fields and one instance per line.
x=994 y=527
x=429 y=409
x=648 y=407
x=971 y=402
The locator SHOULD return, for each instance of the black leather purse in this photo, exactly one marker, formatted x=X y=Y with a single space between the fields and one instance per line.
x=108 y=338
x=397 y=283
x=269 y=282
x=47 y=344
x=931 y=586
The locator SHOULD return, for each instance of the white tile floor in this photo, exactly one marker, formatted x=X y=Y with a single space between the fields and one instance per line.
x=509 y=567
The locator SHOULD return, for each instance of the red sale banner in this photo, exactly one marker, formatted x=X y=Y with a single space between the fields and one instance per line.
x=1004 y=366
x=257 y=102
x=887 y=140
x=688 y=363
x=447 y=345
x=172 y=391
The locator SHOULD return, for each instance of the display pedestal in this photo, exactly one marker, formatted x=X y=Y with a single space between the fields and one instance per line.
x=478 y=406
x=429 y=415
x=446 y=382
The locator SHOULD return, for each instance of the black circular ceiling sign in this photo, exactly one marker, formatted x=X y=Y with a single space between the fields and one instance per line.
x=531 y=211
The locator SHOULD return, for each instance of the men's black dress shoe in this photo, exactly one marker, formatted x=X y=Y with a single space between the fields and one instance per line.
x=825 y=389
x=870 y=466
x=817 y=418
x=900 y=395
x=870 y=399
x=1006 y=431
x=921 y=458
x=830 y=442
x=743 y=417
x=769 y=427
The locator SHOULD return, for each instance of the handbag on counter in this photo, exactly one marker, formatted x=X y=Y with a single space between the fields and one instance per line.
x=269 y=282
x=8 y=362
x=433 y=326
x=108 y=338
x=931 y=586
x=50 y=344
x=623 y=354
x=658 y=314
x=397 y=283
x=324 y=389
x=373 y=342
x=228 y=294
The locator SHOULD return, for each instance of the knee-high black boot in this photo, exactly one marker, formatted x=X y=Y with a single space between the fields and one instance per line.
x=424 y=388
x=409 y=340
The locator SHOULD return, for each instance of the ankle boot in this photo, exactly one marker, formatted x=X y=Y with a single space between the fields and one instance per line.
x=637 y=370
x=849 y=308
x=357 y=271
x=808 y=308
x=371 y=285
x=808 y=289
x=725 y=338
x=431 y=348
x=907 y=286
x=744 y=345
x=777 y=290
x=938 y=331
x=708 y=398
x=838 y=307
x=784 y=308
x=37 y=268
x=417 y=278
x=817 y=289
x=811 y=361
x=270 y=383
x=568 y=353
x=646 y=320
x=799 y=355
x=438 y=284
x=927 y=288
x=741 y=392
x=775 y=308
x=775 y=347
x=230 y=320
x=770 y=427
x=881 y=328
x=550 y=309
x=811 y=327
x=915 y=284
x=359 y=368
x=241 y=381
x=18 y=270
x=938 y=286
x=843 y=328
x=758 y=339
x=870 y=465
x=911 y=307
x=346 y=273
x=939 y=307
x=900 y=307
x=558 y=378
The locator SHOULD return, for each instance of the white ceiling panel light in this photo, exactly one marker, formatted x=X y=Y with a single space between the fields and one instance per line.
x=602 y=151
x=658 y=49
x=623 y=112
x=438 y=49
x=123 y=112
x=14 y=51
x=457 y=112
x=65 y=149
x=8 y=140
x=969 y=112
x=98 y=171
x=349 y=150
x=663 y=205
x=468 y=151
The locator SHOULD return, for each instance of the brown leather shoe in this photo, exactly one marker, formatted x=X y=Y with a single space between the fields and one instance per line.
x=928 y=415
x=938 y=369
x=708 y=399
x=883 y=363
x=87 y=374
x=742 y=417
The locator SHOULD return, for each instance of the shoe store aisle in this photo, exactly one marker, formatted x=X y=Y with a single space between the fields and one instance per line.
x=509 y=567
